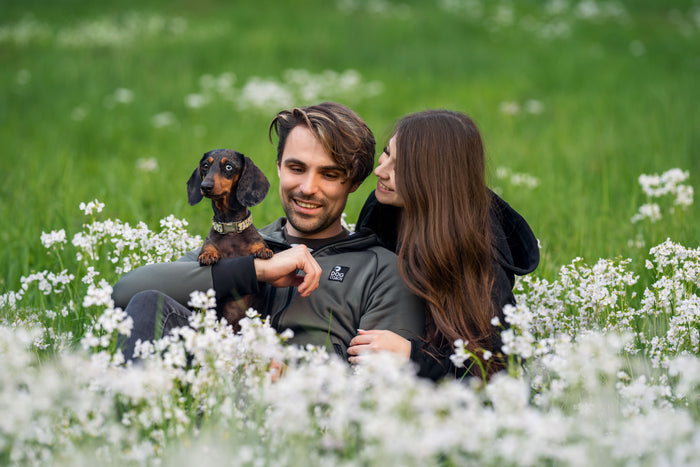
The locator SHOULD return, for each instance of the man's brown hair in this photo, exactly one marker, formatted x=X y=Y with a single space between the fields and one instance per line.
x=341 y=132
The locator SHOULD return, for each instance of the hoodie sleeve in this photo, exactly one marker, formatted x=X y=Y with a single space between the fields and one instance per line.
x=434 y=364
x=390 y=304
x=232 y=276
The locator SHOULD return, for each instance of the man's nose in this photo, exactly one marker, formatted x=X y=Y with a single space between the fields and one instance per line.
x=309 y=185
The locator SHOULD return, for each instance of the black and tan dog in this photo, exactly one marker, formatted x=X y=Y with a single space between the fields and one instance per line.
x=233 y=183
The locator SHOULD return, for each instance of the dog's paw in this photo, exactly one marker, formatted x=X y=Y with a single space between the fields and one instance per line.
x=263 y=253
x=208 y=255
x=208 y=258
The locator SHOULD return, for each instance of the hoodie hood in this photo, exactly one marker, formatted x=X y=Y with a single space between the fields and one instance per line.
x=515 y=246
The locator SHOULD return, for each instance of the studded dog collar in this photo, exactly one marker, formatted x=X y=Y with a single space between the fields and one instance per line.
x=235 y=226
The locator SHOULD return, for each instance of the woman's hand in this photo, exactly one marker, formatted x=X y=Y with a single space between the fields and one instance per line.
x=377 y=341
x=277 y=370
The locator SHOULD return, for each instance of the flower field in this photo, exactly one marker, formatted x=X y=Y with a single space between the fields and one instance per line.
x=597 y=373
x=589 y=113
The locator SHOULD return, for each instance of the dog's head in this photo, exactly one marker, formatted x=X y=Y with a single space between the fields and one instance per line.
x=222 y=173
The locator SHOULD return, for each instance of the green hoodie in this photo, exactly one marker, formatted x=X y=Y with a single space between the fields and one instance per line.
x=360 y=288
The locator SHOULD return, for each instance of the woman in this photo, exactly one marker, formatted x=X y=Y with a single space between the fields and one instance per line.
x=459 y=244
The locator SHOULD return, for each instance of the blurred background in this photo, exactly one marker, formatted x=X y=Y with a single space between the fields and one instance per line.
x=118 y=100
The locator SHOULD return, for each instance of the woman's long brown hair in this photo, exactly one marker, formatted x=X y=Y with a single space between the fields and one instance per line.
x=445 y=235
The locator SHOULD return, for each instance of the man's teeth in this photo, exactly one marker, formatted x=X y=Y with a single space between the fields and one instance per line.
x=306 y=205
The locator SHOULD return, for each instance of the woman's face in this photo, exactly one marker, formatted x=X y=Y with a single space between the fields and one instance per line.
x=386 y=174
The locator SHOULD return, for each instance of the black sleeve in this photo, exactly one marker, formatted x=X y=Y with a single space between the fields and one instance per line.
x=434 y=364
x=233 y=277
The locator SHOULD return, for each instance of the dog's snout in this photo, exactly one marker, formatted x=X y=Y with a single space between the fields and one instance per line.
x=206 y=187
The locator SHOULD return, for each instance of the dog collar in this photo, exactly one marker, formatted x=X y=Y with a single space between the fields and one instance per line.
x=235 y=226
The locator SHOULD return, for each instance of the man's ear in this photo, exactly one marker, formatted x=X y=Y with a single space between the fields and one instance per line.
x=355 y=187
x=279 y=167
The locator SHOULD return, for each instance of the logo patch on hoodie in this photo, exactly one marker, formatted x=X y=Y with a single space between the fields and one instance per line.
x=338 y=273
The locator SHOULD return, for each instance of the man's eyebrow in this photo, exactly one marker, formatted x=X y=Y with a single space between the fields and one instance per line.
x=294 y=161
x=291 y=160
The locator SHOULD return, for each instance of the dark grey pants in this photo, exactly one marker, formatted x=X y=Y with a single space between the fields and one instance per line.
x=155 y=315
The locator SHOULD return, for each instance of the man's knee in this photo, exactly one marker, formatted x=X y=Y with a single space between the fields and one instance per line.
x=146 y=299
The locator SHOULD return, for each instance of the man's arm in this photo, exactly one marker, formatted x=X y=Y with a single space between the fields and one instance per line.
x=391 y=305
x=282 y=270
x=229 y=277
x=180 y=278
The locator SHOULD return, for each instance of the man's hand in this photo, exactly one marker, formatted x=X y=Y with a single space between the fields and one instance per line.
x=377 y=341
x=281 y=270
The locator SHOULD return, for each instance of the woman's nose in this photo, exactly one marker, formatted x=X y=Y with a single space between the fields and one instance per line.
x=380 y=170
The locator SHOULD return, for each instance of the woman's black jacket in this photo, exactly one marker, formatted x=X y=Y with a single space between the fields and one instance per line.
x=516 y=251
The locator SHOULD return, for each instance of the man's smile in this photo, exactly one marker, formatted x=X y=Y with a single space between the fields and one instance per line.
x=306 y=204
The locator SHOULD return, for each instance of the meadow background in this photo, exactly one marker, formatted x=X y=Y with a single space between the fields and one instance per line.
x=117 y=101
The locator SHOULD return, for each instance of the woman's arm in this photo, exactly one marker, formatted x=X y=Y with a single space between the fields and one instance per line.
x=432 y=363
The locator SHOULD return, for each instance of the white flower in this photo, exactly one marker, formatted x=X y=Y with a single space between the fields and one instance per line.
x=100 y=295
x=52 y=238
x=123 y=95
x=461 y=353
x=196 y=101
x=149 y=164
x=91 y=207
x=533 y=106
x=202 y=301
x=509 y=108
x=684 y=195
x=79 y=113
x=650 y=211
x=163 y=119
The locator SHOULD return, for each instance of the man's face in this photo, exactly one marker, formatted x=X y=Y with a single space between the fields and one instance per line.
x=313 y=187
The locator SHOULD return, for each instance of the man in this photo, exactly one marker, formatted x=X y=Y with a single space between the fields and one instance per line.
x=349 y=281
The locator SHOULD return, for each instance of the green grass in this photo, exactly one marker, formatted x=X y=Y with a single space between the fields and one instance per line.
x=608 y=115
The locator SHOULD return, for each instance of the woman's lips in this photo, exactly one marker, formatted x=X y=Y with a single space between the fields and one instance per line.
x=383 y=187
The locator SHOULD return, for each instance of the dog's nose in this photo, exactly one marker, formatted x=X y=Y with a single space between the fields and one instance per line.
x=206 y=188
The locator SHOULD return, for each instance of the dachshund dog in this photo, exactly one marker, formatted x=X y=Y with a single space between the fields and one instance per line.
x=233 y=183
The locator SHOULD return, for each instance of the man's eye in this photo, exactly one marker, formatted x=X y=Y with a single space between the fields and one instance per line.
x=331 y=175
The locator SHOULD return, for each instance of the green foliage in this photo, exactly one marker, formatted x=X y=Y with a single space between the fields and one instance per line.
x=602 y=97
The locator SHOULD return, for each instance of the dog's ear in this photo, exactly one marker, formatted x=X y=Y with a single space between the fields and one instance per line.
x=194 y=194
x=253 y=184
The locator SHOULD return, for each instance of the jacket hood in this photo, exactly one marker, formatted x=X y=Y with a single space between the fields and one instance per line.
x=356 y=241
x=516 y=247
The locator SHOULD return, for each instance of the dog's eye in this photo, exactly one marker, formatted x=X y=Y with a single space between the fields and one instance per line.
x=205 y=165
x=229 y=167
